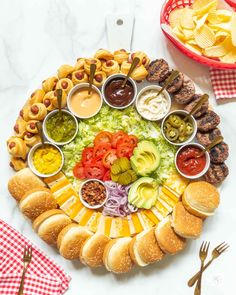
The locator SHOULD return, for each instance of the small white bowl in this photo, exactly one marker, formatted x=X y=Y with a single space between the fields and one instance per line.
x=73 y=90
x=49 y=115
x=84 y=202
x=157 y=88
x=193 y=121
x=119 y=76
x=31 y=164
x=208 y=161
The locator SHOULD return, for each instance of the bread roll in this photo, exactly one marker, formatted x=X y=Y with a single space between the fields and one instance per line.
x=49 y=224
x=144 y=248
x=186 y=224
x=36 y=201
x=23 y=181
x=116 y=257
x=70 y=240
x=201 y=198
x=167 y=239
x=92 y=250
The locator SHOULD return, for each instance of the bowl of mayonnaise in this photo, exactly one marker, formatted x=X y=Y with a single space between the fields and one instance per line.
x=151 y=105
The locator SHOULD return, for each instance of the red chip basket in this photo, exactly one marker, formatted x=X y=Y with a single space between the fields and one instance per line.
x=171 y=5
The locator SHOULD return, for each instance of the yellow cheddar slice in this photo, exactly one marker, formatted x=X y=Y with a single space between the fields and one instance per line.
x=131 y=225
x=104 y=226
x=93 y=222
x=144 y=220
x=50 y=181
x=66 y=206
x=125 y=228
x=162 y=209
x=167 y=199
x=137 y=224
x=170 y=193
x=80 y=214
x=177 y=183
x=60 y=184
x=75 y=208
x=151 y=216
x=116 y=230
x=65 y=195
x=85 y=218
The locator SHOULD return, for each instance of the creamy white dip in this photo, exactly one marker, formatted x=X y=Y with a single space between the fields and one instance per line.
x=152 y=106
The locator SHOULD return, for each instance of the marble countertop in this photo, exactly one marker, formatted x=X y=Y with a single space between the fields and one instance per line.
x=36 y=37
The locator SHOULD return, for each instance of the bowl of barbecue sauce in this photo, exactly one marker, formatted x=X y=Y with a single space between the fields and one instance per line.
x=117 y=96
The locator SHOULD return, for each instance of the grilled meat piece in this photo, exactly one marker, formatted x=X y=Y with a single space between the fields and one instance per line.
x=186 y=92
x=176 y=84
x=208 y=121
x=219 y=153
x=195 y=99
x=206 y=138
x=158 y=70
x=216 y=173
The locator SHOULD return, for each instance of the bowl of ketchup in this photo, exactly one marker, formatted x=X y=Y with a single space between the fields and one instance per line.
x=189 y=164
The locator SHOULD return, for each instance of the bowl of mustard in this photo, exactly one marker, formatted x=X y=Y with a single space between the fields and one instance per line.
x=46 y=159
x=60 y=129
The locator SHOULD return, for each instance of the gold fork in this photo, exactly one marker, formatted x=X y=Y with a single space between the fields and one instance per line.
x=215 y=253
x=202 y=255
x=27 y=256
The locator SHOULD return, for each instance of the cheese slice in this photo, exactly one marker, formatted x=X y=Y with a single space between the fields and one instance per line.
x=125 y=228
x=144 y=220
x=172 y=194
x=151 y=216
x=85 y=218
x=177 y=183
x=68 y=204
x=74 y=209
x=166 y=198
x=60 y=184
x=137 y=223
x=80 y=214
x=93 y=222
x=65 y=195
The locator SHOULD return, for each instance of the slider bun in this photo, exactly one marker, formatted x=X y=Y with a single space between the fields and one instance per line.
x=144 y=248
x=201 y=198
x=70 y=240
x=36 y=201
x=23 y=181
x=49 y=224
x=116 y=257
x=92 y=250
x=186 y=224
x=167 y=239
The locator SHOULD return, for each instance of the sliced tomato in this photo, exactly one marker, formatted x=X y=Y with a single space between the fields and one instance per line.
x=103 y=137
x=101 y=149
x=87 y=155
x=117 y=136
x=97 y=160
x=78 y=171
x=124 y=150
x=109 y=158
x=96 y=171
x=107 y=176
x=131 y=140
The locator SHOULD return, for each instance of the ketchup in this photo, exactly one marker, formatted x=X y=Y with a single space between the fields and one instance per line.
x=188 y=163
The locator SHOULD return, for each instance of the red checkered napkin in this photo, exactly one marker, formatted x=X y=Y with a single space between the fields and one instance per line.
x=223 y=83
x=44 y=276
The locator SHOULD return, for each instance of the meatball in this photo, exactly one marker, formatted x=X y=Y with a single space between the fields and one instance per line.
x=158 y=70
x=195 y=99
x=176 y=84
x=219 y=153
x=206 y=138
x=216 y=173
x=208 y=121
x=186 y=92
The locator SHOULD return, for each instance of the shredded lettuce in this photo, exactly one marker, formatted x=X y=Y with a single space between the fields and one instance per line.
x=113 y=120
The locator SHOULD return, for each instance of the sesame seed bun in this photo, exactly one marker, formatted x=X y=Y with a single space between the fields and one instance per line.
x=144 y=248
x=70 y=240
x=167 y=239
x=201 y=199
x=49 y=224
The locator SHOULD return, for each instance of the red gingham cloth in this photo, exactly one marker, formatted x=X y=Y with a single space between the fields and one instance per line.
x=223 y=83
x=43 y=277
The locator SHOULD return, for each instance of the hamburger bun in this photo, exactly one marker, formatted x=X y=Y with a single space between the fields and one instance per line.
x=49 y=224
x=70 y=240
x=144 y=248
x=201 y=198
x=36 y=201
x=92 y=250
x=116 y=256
x=167 y=239
x=184 y=223
x=23 y=181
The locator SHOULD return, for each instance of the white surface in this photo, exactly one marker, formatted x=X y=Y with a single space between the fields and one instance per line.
x=36 y=37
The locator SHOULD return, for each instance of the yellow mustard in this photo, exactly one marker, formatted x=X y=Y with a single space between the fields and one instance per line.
x=47 y=159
